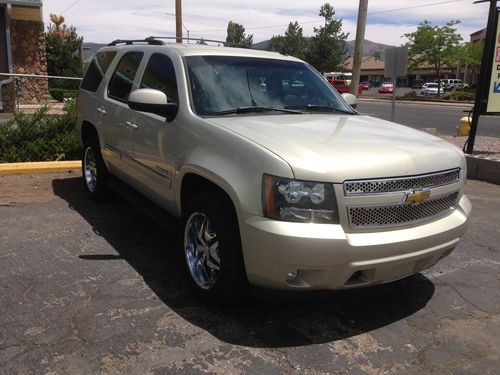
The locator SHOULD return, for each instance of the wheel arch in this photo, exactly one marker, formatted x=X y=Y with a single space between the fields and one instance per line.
x=198 y=180
x=88 y=130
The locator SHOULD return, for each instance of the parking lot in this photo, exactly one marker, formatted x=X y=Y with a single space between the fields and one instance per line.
x=89 y=288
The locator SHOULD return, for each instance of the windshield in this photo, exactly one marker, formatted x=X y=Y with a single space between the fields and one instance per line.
x=225 y=83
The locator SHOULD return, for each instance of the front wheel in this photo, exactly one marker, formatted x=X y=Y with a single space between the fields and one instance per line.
x=212 y=249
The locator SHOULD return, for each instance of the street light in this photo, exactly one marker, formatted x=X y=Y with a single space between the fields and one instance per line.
x=184 y=26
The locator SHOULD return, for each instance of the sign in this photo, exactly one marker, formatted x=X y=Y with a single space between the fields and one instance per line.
x=493 y=96
x=396 y=62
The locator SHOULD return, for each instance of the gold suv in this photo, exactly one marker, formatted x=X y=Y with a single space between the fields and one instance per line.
x=277 y=180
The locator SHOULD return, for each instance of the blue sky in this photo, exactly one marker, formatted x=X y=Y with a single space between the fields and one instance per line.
x=105 y=20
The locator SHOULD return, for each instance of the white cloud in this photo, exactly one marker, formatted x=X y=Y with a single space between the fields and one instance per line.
x=102 y=21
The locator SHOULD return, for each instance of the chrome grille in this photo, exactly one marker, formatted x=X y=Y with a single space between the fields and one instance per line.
x=400 y=214
x=377 y=186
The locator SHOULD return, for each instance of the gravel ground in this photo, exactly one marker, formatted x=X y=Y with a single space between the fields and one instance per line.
x=483 y=146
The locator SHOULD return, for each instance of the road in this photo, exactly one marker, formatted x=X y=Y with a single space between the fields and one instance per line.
x=444 y=118
x=97 y=288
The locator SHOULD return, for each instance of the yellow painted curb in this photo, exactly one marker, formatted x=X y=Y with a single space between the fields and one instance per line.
x=39 y=167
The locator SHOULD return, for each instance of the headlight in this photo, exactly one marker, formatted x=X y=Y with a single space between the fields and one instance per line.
x=301 y=201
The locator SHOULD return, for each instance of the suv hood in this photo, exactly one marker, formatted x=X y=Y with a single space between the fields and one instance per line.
x=336 y=148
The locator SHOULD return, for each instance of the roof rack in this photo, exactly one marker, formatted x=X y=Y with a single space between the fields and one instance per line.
x=156 y=40
x=150 y=40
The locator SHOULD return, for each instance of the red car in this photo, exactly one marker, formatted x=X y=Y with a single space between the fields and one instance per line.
x=341 y=86
x=386 y=88
x=365 y=85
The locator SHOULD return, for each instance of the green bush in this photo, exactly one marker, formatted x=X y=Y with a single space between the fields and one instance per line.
x=61 y=94
x=460 y=95
x=40 y=137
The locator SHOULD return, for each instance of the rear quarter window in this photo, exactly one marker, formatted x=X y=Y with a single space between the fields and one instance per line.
x=122 y=80
x=96 y=70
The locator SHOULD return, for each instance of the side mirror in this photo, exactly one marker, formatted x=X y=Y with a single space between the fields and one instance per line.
x=152 y=101
x=351 y=100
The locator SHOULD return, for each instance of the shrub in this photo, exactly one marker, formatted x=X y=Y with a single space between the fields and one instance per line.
x=40 y=137
x=460 y=95
x=61 y=94
x=410 y=95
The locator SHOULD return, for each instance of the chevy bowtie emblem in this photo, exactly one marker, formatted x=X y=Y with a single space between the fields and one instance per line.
x=417 y=196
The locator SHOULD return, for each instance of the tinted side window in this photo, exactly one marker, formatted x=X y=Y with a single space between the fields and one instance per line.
x=123 y=78
x=96 y=70
x=160 y=75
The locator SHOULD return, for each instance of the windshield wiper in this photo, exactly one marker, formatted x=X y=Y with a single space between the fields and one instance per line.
x=317 y=107
x=240 y=110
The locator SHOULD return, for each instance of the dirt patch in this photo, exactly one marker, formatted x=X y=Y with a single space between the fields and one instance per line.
x=28 y=188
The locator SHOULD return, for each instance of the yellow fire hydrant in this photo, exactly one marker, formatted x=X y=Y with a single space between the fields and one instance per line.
x=463 y=127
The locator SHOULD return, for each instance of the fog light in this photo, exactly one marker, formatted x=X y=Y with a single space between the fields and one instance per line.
x=291 y=276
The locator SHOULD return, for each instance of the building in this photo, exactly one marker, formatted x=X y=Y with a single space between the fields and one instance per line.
x=478 y=36
x=372 y=70
x=22 y=51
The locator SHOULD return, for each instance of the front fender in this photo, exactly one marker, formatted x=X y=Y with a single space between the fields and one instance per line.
x=237 y=172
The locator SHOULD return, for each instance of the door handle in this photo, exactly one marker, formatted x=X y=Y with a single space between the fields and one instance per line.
x=101 y=110
x=131 y=124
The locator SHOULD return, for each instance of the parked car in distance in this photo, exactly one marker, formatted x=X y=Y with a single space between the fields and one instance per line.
x=386 y=88
x=452 y=84
x=432 y=89
x=365 y=85
x=417 y=84
x=275 y=179
x=342 y=87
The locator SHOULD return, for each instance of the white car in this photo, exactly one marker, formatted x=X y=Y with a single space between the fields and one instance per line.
x=432 y=89
x=278 y=185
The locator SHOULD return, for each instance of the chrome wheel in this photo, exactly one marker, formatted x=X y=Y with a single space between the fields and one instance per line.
x=202 y=250
x=90 y=169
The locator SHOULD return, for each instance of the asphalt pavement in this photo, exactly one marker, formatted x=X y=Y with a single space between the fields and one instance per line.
x=444 y=118
x=98 y=288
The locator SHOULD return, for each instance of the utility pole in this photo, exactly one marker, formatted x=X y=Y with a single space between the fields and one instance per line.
x=358 y=46
x=178 y=21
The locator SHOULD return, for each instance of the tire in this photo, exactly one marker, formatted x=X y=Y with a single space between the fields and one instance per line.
x=215 y=270
x=94 y=171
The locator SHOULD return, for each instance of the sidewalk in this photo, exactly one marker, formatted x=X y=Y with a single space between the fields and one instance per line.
x=420 y=102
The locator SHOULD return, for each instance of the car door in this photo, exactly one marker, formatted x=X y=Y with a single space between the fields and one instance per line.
x=115 y=113
x=153 y=138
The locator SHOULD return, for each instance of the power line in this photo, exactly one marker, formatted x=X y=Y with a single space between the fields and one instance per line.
x=307 y=22
x=259 y=27
x=416 y=6
x=69 y=7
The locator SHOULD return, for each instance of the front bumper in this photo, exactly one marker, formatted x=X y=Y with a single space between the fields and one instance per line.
x=327 y=257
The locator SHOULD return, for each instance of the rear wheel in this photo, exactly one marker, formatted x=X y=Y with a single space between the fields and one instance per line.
x=94 y=172
x=212 y=249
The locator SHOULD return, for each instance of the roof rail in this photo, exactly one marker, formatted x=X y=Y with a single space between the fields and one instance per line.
x=150 y=40
x=226 y=44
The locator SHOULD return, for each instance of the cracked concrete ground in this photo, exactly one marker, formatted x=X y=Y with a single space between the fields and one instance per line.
x=90 y=288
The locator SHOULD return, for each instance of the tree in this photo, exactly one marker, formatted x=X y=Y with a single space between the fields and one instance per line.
x=377 y=55
x=327 y=50
x=434 y=45
x=472 y=54
x=293 y=43
x=236 y=35
x=63 y=47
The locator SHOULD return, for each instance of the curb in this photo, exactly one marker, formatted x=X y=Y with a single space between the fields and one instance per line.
x=40 y=167
x=441 y=104
x=483 y=169
x=478 y=168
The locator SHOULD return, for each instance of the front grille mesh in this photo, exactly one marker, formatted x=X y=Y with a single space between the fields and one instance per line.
x=406 y=213
x=402 y=183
